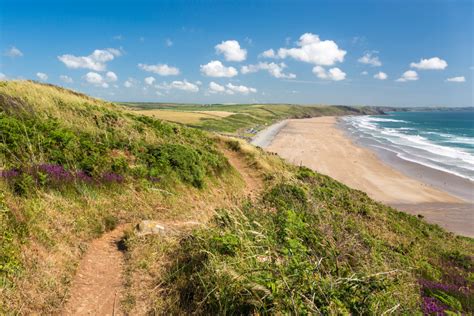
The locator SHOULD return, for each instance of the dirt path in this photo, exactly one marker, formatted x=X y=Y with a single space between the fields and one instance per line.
x=97 y=286
x=253 y=184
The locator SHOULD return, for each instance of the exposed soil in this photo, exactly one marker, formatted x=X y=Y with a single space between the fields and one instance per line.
x=253 y=183
x=97 y=286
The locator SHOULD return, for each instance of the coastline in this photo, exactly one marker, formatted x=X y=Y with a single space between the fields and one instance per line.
x=320 y=144
x=265 y=137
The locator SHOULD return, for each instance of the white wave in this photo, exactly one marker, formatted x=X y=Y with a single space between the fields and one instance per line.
x=419 y=149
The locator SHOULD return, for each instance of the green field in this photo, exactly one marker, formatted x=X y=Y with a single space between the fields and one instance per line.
x=246 y=118
x=73 y=167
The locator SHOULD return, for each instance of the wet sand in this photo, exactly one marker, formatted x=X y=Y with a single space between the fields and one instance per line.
x=319 y=144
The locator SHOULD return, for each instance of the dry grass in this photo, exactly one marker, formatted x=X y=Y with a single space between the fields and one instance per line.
x=174 y=116
x=215 y=113
x=191 y=117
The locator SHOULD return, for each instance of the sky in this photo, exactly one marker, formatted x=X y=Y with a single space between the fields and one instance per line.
x=392 y=53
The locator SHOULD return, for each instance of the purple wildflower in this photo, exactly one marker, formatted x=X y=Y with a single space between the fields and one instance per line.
x=432 y=306
x=154 y=179
x=439 y=286
x=111 y=177
x=55 y=172
x=8 y=174
x=83 y=176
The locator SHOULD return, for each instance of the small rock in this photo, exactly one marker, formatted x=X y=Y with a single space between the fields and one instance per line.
x=149 y=227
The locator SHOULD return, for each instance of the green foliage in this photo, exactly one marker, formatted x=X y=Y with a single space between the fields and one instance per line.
x=310 y=246
x=105 y=142
x=255 y=116
x=182 y=160
x=12 y=234
x=233 y=145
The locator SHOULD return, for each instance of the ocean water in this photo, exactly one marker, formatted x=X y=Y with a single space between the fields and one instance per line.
x=439 y=140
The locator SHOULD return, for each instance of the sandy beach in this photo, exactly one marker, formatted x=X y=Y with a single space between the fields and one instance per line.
x=319 y=144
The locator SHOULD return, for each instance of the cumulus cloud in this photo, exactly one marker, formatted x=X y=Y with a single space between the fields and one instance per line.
x=180 y=85
x=241 y=89
x=66 y=79
x=13 y=52
x=456 y=79
x=216 y=69
x=149 y=80
x=275 y=70
x=369 y=59
x=160 y=69
x=215 y=87
x=334 y=74
x=231 y=51
x=381 y=75
x=434 y=63
x=96 y=79
x=230 y=89
x=96 y=61
x=130 y=82
x=111 y=76
x=409 y=75
x=314 y=51
x=269 y=53
x=42 y=76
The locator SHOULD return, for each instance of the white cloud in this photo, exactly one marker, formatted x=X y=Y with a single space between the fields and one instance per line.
x=168 y=42
x=42 y=76
x=96 y=61
x=179 y=85
x=312 y=50
x=275 y=70
x=381 y=76
x=230 y=89
x=368 y=59
x=434 y=63
x=216 y=69
x=231 y=51
x=118 y=37
x=96 y=79
x=409 y=75
x=3 y=76
x=149 y=80
x=456 y=79
x=111 y=76
x=215 y=87
x=66 y=79
x=334 y=74
x=364 y=73
x=269 y=53
x=13 y=52
x=241 y=89
x=160 y=69
x=130 y=82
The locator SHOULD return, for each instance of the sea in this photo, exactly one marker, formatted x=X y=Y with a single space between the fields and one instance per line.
x=440 y=140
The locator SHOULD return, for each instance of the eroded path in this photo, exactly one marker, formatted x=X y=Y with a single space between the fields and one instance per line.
x=97 y=286
x=253 y=183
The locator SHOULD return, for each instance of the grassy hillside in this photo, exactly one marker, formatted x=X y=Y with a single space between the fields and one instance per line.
x=241 y=119
x=73 y=167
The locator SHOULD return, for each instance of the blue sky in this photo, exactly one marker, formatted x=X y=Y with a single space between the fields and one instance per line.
x=417 y=53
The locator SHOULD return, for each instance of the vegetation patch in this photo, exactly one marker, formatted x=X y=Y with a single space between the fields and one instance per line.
x=313 y=245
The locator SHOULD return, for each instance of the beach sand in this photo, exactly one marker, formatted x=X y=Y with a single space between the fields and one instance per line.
x=320 y=145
